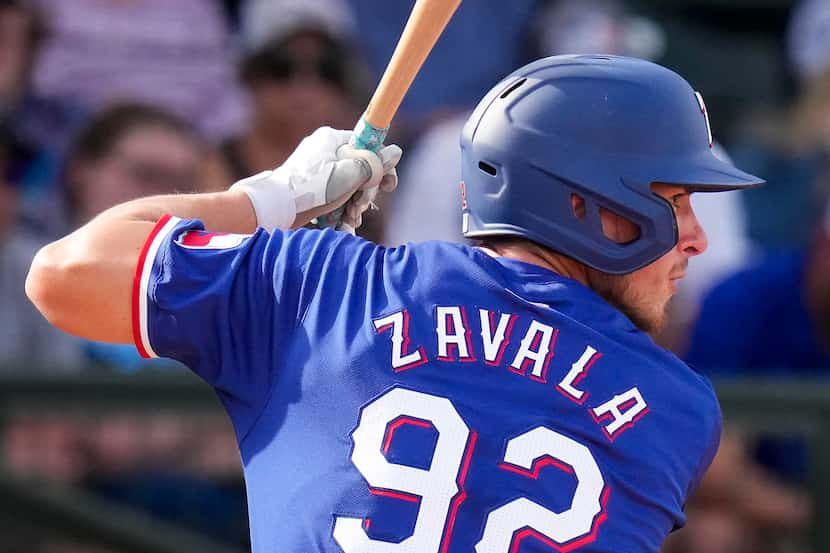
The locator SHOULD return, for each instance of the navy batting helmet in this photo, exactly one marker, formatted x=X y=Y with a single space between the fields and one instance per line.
x=602 y=127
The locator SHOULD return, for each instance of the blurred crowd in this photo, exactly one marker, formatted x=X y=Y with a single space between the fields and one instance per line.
x=101 y=102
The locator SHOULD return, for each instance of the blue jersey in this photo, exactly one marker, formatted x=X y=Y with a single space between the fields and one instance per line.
x=428 y=398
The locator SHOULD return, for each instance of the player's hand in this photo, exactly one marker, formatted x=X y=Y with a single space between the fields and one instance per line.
x=360 y=201
x=321 y=175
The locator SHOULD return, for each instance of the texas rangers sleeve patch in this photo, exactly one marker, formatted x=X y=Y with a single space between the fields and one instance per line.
x=205 y=240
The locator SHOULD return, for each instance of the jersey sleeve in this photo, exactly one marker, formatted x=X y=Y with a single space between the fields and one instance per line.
x=227 y=305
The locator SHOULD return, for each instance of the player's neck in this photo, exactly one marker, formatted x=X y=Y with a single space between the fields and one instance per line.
x=537 y=255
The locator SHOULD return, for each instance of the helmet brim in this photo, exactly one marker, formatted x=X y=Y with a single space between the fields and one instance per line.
x=709 y=174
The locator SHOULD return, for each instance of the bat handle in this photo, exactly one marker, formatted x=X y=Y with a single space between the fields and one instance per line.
x=365 y=137
x=368 y=137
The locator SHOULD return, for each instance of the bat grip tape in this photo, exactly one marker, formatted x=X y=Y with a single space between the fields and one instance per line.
x=365 y=137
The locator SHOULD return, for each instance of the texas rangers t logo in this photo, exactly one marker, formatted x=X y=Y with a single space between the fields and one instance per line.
x=705 y=116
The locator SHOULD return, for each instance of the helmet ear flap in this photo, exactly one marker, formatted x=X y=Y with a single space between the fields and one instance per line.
x=608 y=234
x=614 y=236
x=615 y=227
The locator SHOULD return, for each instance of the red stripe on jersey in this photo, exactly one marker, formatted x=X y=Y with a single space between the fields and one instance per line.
x=403 y=496
x=139 y=269
x=461 y=496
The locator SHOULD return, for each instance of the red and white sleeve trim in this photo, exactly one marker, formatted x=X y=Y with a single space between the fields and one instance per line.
x=143 y=270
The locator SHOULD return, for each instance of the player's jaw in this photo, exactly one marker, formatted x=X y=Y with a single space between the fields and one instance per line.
x=643 y=300
x=644 y=294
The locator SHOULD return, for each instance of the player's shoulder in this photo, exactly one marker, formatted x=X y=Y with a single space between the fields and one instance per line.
x=434 y=248
x=329 y=238
x=678 y=387
x=647 y=349
x=690 y=386
x=309 y=246
x=696 y=380
x=439 y=262
x=314 y=237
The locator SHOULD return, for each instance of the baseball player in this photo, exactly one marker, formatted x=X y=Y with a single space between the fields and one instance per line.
x=440 y=398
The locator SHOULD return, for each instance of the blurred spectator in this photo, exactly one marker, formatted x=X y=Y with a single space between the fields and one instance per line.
x=33 y=122
x=176 y=55
x=772 y=317
x=128 y=151
x=790 y=147
x=27 y=341
x=301 y=74
x=41 y=447
x=20 y=36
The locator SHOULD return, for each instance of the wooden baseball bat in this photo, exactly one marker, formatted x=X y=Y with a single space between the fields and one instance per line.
x=425 y=24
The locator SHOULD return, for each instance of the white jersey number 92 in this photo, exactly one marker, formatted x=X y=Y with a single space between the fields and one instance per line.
x=439 y=488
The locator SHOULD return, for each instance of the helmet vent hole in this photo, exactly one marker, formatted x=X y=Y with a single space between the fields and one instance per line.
x=578 y=206
x=512 y=87
x=487 y=168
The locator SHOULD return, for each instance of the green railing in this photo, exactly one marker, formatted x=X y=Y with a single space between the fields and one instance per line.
x=789 y=408
x=71 y=514
x=785 y=407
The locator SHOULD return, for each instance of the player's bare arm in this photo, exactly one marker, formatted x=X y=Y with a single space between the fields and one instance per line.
x=83 y=282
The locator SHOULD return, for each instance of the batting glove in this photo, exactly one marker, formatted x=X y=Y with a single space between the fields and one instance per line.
x=321 y=175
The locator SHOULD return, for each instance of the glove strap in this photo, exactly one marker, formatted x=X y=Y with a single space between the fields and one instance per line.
x=272 y=199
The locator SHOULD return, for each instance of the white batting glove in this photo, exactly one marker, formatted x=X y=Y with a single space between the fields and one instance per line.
x=364 y=198
x=321 y=175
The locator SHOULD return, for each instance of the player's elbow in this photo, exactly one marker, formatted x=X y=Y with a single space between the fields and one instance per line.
x=83 y=290
x=47 y=286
